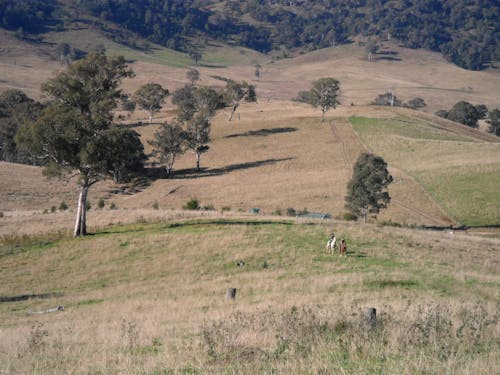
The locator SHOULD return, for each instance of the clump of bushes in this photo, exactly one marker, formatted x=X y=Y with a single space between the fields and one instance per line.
x=101 y=203
x=349 y=216
x=192 y=204
x=465 y=113
x=63 y=206
x=389 y=99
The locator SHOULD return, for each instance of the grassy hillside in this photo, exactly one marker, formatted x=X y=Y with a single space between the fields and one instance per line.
x=277 y=156
x=460 y=170
x=149 y=298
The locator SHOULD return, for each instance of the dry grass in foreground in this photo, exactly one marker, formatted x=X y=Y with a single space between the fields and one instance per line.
x=149 y=298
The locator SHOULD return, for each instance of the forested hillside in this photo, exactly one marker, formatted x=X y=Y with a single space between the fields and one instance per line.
x=465 y=31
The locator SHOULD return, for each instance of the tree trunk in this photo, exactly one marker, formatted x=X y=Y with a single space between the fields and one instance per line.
x=323 y=115
x=81 y=213
x=233 y=110
x=150 y=117
x=198 y=161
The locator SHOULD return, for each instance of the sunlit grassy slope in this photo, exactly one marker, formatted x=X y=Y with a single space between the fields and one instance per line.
x=149 y=298
x=459 y=170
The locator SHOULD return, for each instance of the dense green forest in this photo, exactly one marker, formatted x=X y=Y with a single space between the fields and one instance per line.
x=465 y=31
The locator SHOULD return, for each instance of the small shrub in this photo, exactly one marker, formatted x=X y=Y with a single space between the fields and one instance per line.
x=53 y=209
x=278 y=212
x=45 y=211
x=63 y=206
x=349 y=216
x=265 y=265
x=141 y=220
x=1 y=214
x=209 y=207
x=155 y=205
x=192 y=204
x=225 y=209
x=101 y=203
x=291 y=212
x=88 y=206
x=113 y=206
x=305 y=211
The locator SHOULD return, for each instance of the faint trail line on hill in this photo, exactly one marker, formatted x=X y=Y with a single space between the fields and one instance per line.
x=347 y=162
x=404 y=206
x=421 y=213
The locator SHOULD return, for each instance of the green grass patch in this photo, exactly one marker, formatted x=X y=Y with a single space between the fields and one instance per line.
x=468 y=193
x=461 y=173
x=404 y=127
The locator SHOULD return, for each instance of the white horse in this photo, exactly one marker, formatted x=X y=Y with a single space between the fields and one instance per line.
x=331 y=244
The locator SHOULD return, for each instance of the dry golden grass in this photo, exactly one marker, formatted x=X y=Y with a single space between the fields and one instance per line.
x=148 y=298
x=278 y=155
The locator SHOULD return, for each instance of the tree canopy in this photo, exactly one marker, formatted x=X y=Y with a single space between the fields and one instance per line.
x=151 y=98
x=324 y=95
x=168 y=143
x=236 y=92
x=76 y=132
x=367 y=189
x=463 y=113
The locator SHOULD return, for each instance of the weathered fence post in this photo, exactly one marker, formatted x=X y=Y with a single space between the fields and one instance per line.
x=370 y=317
x=231 y=294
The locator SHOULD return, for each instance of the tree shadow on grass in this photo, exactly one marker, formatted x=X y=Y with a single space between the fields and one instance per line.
x=159 y=172
x=24 y=297
x=263 y=132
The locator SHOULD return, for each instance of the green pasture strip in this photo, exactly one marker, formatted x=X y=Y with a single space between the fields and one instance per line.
x=468 y=192
x=405 y=127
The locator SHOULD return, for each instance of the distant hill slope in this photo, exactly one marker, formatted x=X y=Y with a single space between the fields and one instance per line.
x=465 y=31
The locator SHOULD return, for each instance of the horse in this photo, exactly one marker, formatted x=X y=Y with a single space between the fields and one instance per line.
x=343 y=247
x=331 y=244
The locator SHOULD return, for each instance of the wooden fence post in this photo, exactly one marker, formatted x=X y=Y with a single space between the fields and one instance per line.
x=231 y=294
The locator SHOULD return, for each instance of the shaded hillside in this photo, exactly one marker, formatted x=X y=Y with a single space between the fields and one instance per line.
x=465 y=31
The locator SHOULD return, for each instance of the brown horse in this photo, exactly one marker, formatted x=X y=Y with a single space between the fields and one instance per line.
x=343 y=247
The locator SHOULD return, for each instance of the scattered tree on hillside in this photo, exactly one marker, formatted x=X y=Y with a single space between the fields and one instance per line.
x=197 y=137
x=303 y=97
x=193 y=76
x=367 y=189
x=463 y=113
x=371 y=48
x=197 y=107
x=150 y=97
x=195 y=55
x=168 y=143
x=415 y=103
x=387 y=99
x=236 y=92
x=76 y=135
x=324 y=95
x=15 y=109
x=494 y=122
x=258 y=72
